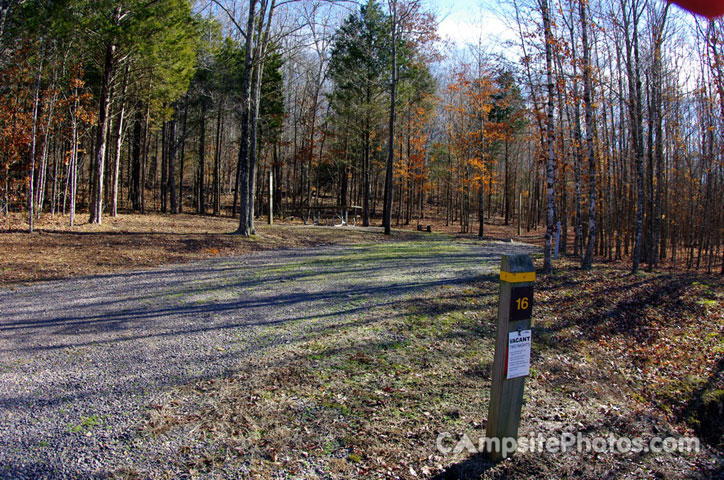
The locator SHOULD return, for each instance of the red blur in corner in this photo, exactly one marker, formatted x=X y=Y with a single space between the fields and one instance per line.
x=708 y=8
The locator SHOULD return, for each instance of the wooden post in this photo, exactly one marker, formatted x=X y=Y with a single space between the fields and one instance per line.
x=271 y=197
x=512 y=351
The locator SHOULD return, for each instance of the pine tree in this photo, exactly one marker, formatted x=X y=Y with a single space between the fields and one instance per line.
x=359 y=58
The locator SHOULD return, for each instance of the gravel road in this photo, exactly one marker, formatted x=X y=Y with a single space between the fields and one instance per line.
x=81 y=358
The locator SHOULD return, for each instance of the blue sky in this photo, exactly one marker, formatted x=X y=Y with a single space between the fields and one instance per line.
x=470 y=21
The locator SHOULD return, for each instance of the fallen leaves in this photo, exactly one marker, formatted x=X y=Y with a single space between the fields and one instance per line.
x=132 y=241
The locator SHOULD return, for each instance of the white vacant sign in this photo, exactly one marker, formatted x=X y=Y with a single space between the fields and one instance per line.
x=518 y=361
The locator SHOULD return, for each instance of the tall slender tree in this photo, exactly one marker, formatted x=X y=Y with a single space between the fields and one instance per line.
x=550 y=139
x=588 y=109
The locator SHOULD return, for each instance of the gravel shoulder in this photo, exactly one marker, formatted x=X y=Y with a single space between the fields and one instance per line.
x=81 y=358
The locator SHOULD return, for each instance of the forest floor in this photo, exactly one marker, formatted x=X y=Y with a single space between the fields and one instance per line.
x=132 y=241
x=344 y=361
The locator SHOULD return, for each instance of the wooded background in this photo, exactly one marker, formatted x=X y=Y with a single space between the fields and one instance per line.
x=605 y=116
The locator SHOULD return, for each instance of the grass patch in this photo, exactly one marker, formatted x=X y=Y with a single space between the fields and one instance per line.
x=86 y=424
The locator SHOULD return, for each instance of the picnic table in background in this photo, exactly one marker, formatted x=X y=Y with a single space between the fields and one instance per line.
x=339 y=216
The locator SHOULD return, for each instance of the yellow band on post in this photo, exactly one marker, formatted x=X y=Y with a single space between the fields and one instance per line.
x=517 y=277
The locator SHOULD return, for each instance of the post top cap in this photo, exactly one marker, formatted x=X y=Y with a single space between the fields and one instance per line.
x=521 y=263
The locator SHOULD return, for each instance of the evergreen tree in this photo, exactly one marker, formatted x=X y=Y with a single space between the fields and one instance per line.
x=158 y=38
x=360 y=58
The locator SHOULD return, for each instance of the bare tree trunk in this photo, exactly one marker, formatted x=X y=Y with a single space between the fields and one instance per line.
x=54 y=195
x=96 y=208
x=366 y=167
x=119 y=144
x=201 y=200
x=658 y=130
x=506 y=188
x=481 y=147
x=260 y=49
x=636 y=114
x=182 y=158
x=588 y=105
x=44 y=156
x=578 y=149
x=144 y=157
x=243 y=167
x=550 y=167
x=65 y=187
x=164 y=167
x=73 y=167
x=136 y=184
x=217 y=162
x=389 y=170
x=33 y=144
x=172 y=148
x=253 y=126
x=277 y=167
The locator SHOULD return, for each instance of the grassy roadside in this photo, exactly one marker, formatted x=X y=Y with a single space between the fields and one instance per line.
x=614 y=354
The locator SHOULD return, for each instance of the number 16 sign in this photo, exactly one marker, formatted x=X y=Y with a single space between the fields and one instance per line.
x=521 y=303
